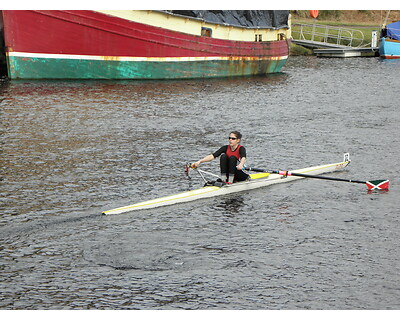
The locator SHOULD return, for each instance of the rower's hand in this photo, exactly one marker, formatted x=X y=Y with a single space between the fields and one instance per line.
x=195 y=164
x=240 y=167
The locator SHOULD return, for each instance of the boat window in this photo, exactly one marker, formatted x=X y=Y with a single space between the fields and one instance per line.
x=281 y=36
x=206 y=32
x=258 y=38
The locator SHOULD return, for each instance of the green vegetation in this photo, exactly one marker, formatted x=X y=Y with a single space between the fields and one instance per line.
x=296 y=50
x=323 y=14
x=351 y=27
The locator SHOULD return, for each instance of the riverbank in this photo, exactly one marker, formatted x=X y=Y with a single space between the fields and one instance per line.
x=364 y=21
x=360 y=18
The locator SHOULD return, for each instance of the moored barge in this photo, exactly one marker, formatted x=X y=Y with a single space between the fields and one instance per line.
x=139 y=44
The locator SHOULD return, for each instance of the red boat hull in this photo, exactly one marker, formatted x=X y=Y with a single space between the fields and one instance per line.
x=89 y=44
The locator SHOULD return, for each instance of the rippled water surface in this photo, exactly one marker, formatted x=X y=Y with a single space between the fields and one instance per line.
x=72 y=149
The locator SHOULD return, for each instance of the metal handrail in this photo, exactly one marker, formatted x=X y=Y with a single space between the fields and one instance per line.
x=324 y=33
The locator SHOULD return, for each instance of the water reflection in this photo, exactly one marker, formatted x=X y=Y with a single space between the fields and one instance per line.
x=230 y=206
x=154 y=89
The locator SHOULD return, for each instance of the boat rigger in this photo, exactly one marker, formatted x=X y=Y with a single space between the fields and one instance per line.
x=257 y=180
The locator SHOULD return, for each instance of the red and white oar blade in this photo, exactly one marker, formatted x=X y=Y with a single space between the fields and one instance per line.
x=378 y=185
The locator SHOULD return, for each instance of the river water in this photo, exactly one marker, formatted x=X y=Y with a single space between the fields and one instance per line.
x=72 y=149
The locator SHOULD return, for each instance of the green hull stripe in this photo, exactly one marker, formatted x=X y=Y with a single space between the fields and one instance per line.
x=47 y=68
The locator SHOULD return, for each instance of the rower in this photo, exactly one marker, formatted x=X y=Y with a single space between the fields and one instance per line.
x=233 y=158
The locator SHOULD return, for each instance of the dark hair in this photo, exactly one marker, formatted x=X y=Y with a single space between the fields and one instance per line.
x=237 y=134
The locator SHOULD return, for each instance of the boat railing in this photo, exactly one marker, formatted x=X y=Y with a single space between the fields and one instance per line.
x=328 y=34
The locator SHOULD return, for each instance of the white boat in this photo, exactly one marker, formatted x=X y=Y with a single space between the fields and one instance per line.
x=257 y=180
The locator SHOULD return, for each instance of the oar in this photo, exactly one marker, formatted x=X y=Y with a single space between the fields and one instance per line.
x=372 y=185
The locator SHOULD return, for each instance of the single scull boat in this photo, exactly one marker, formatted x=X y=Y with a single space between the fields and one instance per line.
x=256 y=180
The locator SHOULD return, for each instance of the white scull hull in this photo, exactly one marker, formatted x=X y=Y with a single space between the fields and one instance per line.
x=213 y=191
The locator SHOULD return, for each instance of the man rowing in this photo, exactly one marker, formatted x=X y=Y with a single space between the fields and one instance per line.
x=233 y=158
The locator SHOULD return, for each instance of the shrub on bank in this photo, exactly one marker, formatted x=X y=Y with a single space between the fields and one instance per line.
x=296 y=50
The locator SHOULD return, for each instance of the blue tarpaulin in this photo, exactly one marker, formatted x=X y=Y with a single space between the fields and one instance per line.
x=393 y=30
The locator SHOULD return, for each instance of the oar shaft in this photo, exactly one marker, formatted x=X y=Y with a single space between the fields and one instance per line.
x=372 y=185
x=318 y=177
x=289 y=173
x=256 y=169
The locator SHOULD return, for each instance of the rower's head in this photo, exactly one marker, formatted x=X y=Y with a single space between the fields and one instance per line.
x=235 y=137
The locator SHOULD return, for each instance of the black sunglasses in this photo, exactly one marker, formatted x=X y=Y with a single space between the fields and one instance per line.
x=232 y=138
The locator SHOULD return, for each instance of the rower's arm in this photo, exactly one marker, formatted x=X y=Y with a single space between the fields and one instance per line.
x=241 y=164
x=210 y=157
